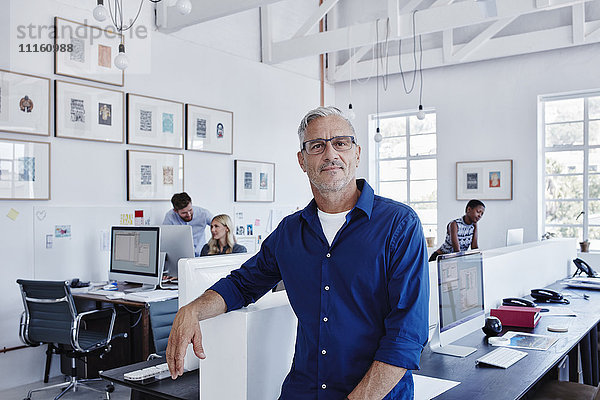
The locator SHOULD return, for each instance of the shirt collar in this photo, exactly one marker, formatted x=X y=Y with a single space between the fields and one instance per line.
x=364 y=203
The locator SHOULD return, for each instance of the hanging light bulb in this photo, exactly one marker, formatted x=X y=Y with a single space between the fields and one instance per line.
x=421 y=113
x=100 y=13
x=350 y=114
x=184 y=7
x=378 y=138
x=121 y=60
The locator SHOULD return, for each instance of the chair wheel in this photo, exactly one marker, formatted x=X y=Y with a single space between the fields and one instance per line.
x=109 y=388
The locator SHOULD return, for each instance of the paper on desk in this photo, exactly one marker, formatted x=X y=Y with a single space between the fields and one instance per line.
x=427 y=388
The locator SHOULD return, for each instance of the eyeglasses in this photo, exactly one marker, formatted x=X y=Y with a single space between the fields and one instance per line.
x=339 y=144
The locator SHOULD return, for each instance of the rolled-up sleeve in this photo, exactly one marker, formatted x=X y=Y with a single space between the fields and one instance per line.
x=407 y=324
x=253 y=279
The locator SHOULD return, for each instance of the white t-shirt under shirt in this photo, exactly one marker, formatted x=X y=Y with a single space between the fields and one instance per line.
x=331 y=223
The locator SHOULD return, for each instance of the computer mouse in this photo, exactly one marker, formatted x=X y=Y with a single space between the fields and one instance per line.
x=492 y=326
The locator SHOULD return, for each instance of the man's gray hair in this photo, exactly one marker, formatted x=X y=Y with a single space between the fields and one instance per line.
x=320 y=112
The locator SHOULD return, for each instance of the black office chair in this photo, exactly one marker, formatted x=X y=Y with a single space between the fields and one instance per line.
x=162 y=314
x=50 y=317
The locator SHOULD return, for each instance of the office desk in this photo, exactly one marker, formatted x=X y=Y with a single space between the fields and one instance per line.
x=144 y=319
x=184 y=387
x=490 y=383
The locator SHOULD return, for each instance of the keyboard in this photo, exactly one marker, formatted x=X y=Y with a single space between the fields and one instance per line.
x=147 y=375
x=502 y=357
x=152 y=295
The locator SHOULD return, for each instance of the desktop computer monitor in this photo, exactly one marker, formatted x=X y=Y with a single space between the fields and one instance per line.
x=176 y=241
x=460 y=294
x=514 y=237
x=135 y=255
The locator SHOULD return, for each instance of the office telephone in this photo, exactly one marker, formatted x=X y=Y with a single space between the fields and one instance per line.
x=584 y=267
x=76 y=283
x=548 y=296
x=517 y=301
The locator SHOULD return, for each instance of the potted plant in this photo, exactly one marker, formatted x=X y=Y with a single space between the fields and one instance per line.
x=585 y=246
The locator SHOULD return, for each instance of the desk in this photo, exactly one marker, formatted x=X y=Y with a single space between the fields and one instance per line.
x=185 y=387
x=513 y=383
x=144 y=319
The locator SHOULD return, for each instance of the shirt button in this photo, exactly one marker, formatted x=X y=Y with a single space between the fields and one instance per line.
x=323 y=386
x=325 y=319
x=326 y=287
x=328 y=255
x=323 y=351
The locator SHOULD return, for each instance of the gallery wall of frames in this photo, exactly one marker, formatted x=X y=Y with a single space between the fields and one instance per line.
x=90 y=106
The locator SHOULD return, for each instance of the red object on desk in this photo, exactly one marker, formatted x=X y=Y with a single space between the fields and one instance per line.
x=525 y=317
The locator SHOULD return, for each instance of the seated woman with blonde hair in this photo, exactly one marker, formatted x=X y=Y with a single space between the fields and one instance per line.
x=222 y=240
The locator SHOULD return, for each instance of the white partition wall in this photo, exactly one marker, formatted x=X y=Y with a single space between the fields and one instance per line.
x=514 y=271
x=249 y=351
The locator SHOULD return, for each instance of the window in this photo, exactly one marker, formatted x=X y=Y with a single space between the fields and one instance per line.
x=571 y=147
x=406 y=164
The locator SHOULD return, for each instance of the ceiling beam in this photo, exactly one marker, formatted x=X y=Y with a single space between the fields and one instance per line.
x=505 y=46
x=480 y=40
x=316 y=17
x=168 y=19
x=578 y=17
x=429 y=20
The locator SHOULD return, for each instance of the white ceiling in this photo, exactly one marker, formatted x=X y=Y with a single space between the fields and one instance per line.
x=285 y=33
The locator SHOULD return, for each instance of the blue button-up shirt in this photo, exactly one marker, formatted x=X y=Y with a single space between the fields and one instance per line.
x=200 y=220
x=363 y=298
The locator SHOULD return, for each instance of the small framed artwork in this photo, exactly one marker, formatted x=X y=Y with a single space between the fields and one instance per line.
x=154 y=122
x=24 y=170
x=484 y=180
x=208 y=129
x=153 y=176
x=86 y=52
x=89 y=113
x=24 y=103
x=254 y=181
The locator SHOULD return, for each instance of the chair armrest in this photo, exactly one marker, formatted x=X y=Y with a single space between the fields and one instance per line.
x=23 y=331
x=84 y=315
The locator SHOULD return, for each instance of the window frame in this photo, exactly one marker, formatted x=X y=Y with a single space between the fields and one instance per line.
x=585 y=148
x=375 y=160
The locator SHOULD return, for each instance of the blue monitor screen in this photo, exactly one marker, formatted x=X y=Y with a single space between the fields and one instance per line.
x=460 y=288
x=134 y=250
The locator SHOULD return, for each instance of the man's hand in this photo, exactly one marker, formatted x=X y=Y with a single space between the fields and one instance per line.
x=186 y=329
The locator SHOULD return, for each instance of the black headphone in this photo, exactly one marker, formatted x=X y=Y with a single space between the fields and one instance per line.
x=548 y=296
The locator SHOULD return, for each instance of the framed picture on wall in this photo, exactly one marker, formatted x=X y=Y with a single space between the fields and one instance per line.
x=86 y=52
x=254 y=181
x=24 y=103
x=484 y=180
x=24 y=170
x=208 y=129
x=153 y=176
x=154 y=122
x=89 y=113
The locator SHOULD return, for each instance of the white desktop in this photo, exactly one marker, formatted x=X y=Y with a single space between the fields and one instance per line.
x=461 y=301
x=249 y=351
x=514 y=237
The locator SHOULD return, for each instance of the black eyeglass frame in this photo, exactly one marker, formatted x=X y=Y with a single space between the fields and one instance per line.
x=327 y=140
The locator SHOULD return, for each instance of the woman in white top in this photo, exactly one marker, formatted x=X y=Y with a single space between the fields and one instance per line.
x=462 y=232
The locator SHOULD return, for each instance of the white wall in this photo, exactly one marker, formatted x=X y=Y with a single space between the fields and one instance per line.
x=485 y=111
x=267 y=102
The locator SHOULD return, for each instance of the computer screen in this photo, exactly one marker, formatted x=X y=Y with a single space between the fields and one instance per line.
x=135 y=254
x=514 y=237
x=460 y=294
x=177 y=242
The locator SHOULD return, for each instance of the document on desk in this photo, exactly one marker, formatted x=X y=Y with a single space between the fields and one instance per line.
x=427 y=387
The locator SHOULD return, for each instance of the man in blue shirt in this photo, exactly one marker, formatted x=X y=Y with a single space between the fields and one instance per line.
x=183 y=213
x=355 y=269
